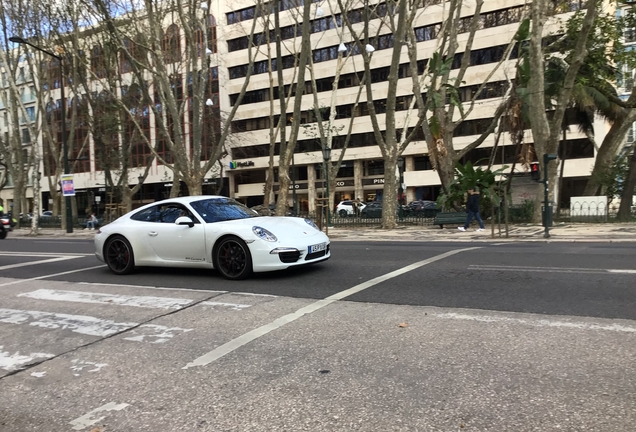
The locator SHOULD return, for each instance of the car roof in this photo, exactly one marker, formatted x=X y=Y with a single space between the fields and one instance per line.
x=189 y=199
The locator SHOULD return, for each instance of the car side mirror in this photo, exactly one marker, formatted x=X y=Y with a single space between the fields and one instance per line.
x=184 y=220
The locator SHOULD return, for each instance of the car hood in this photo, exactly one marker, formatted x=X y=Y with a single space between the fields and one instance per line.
x=283 y=227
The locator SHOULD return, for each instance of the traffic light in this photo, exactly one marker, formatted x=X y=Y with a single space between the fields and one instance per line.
x=535 y=172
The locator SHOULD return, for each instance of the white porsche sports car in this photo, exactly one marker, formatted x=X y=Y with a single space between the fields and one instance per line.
x=209 y=232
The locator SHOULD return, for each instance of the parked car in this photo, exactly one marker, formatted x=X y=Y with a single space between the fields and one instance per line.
x=374 y=210
x=209 y=232
x=423 y=208
x=46 y=214
x=345 y=208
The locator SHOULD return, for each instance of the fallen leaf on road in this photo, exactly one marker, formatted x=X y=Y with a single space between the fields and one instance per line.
x=403 y=325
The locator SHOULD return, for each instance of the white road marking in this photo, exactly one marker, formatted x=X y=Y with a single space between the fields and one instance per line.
x=549 y=269
x=82 y=324
x=38 y=374
x=88 y=420
x=79 y=365
x=44 y=254
x=59 y=242
x=254 y=294
x=30 y=263
x=578 y=325
x=14 y=361
x=112 y=299
x=17 y=281
x=234 y=306
x=152 y=287
x=157 y=333
x=246 y=338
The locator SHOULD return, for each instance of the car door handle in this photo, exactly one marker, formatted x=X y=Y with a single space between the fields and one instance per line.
x=153 y=233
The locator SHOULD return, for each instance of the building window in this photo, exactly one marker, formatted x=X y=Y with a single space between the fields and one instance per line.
x=171 y=44
x=26 y=136
x=374 y=168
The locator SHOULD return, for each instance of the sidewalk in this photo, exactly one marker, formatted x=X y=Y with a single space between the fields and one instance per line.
x=575 y=232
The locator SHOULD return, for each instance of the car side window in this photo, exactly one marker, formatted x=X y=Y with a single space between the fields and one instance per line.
x=169 y=213
x=150 y=214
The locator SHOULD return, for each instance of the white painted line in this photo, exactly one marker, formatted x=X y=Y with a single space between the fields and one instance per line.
x=44 y=254
x=246 y=338
x=577 y=325
x=549 y=269
x=82 y=324
x=108 y=299
x=234 y=306
x=38 y=374
x=79 y=365
x=88 y=420
x=17 y=281
x=154 y=334
x=62 y=242
x=30 y=263
x=152 y=287
x=253 y=294
x=15 y=361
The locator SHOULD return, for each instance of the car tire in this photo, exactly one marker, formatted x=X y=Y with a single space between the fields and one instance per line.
x=119 y=255
x=232 y=258
x=343 y=213
x=3 y=234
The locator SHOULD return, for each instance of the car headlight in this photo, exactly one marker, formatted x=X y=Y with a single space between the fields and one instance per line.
x=263 y=234
x=312 y=224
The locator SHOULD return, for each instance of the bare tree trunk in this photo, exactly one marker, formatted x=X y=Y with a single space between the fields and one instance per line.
x=629 y=190
x=609 y=149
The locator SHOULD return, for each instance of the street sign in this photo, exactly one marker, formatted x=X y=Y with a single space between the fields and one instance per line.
x=68 y=188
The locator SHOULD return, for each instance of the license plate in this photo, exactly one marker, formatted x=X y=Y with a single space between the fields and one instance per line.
x=317 y=247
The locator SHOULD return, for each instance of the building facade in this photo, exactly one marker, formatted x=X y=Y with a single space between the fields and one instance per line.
x=361 y=174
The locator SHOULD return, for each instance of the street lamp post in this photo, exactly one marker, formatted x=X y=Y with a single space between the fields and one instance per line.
x=19 y=40
x=326 y=155
x=141 y=183
x=400 y=162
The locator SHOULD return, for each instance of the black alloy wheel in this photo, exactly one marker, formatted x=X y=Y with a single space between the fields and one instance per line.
x=119 y=255
x=233 y=259
x=343 y=213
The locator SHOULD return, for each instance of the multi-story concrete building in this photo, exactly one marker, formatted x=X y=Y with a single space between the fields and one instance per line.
x=362 y=172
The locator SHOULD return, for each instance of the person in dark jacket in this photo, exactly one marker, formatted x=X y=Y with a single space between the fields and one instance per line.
x=472 y=210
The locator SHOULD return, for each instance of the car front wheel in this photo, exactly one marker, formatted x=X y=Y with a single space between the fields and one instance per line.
x=343 y=213
x=232 y=258
x=119 y=255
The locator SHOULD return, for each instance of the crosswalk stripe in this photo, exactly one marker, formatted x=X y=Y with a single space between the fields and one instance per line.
x=82 y=324
x=108 y=299
x=44 y=254
x=30 y=263
x=151 y=287
x=16 y=360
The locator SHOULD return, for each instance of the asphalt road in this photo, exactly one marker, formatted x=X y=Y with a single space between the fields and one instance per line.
x=383 y=336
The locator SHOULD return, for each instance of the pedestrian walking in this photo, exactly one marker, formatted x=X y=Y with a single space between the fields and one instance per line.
x=472 y=210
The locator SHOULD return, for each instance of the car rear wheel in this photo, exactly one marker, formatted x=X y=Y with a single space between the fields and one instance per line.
x=119 y=255
x=3 y=234
x=232 y=258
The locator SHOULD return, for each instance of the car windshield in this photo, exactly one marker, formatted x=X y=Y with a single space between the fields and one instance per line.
x=222 y=209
